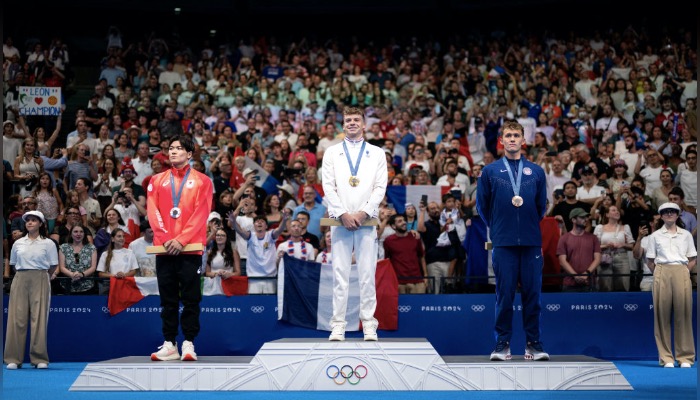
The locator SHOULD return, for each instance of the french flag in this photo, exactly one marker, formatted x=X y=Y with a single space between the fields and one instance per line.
x=305 y=295
x=266 y=181
x=400 y=195
x=124 y=293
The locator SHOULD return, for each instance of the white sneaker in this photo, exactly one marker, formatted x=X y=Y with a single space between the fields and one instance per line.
x=42 y=366
x=370 y=331
x=669 y=365
x=338 y=333
x=188 y=353
x=685 y=365
x=12 y=366
x=166 y=352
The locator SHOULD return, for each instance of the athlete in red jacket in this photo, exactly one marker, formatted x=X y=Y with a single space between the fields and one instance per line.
x=179 y=201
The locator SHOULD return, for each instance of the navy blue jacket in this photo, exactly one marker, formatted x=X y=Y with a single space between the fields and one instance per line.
x=510 y=225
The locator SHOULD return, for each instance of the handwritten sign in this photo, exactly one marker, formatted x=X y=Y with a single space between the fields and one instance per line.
x=39 y=100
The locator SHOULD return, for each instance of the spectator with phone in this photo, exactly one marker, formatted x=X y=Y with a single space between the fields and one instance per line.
x=619 y=178
x=80 y=166
x=128 y=174
x=28 y=166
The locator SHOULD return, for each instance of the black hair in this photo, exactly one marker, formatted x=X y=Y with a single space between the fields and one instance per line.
x=392 y=219
x=677 y=191
x=185 y=141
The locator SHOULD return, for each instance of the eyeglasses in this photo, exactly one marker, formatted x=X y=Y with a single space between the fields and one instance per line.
x=668 y=211
x=176 y=148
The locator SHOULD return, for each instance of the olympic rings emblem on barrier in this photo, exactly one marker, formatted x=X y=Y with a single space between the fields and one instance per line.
x=257 y=309
x=347 y=373
x=630 y=307
x=553 y=307
x=478 y=307
x=404 y=308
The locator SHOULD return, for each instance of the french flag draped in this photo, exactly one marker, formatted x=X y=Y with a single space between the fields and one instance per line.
x=305 y=295
x=267 y=181
x=124 y=293
x=400 y=195
x=217 y=286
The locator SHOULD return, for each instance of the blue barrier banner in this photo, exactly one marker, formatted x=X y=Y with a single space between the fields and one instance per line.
x=604 y=325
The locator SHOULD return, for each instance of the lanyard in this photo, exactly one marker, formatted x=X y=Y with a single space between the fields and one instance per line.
x=515 y=183
x=176 y=197
x=353 y=170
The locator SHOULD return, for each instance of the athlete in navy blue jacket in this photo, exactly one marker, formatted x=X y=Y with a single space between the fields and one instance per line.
x=511 y=198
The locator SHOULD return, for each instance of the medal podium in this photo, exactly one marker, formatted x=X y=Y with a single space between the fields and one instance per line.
x=400 y=364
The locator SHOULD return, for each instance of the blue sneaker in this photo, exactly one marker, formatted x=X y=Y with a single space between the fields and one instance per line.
x=534 y=351
x=501 y=352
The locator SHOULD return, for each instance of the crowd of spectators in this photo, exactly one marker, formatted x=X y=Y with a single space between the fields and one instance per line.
x=609 y=116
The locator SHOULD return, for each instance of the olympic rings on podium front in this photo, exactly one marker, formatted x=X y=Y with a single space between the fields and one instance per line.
x=347 y=373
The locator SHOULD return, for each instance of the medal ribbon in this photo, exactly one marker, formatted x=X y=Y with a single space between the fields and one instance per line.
x=353 y=170
x=176 y=197
x=515 y=183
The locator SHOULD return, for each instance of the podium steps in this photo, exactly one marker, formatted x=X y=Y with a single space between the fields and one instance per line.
x=405 y=364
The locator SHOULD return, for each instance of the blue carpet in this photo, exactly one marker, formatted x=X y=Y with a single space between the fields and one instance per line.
x=649 y=380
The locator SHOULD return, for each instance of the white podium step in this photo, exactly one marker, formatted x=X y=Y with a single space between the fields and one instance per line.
x=407 y=364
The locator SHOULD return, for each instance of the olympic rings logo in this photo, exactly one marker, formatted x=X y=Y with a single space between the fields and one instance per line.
x=346 y=373
x=553 y=307
x=630 y=307
x=404 y=308
x=478 y=307
x=257 y=309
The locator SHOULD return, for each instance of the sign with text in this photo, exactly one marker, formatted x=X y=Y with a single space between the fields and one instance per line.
x=39 y=100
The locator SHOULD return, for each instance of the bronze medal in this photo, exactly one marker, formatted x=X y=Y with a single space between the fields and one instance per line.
x=517 y=201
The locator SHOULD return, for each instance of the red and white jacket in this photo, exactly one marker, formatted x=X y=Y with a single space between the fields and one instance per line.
x=195 y=205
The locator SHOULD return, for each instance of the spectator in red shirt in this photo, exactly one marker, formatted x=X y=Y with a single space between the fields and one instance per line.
x=407 y=256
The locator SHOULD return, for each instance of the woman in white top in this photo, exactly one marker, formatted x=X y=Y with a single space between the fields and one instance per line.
x=117 y=261
x=615 y=240
x=220 y=257
x=671 y=255
x=34 y=257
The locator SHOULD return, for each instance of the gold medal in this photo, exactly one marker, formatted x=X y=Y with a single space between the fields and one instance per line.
x=517 y=201
x=354 y=181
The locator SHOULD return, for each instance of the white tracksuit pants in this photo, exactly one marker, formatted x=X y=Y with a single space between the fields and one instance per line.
x=364 y=242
